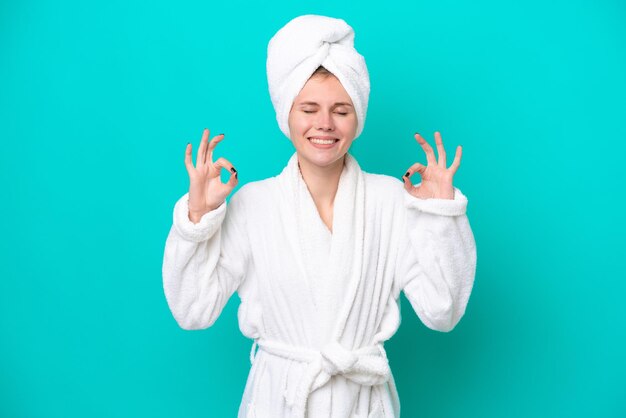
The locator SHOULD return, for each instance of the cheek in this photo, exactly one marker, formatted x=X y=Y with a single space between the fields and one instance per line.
x=349 y=124
x=301 y=123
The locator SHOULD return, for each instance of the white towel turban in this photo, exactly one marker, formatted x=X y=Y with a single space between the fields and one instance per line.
x=299 y=48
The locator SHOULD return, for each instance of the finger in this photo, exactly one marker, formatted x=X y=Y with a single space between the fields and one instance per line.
x=408 y=186
x=223 y=162
x=440 y=150
x=430 y=154
x=201 y=156
x=188 y=161
x=233 y=179
x=457 y=159
x=216 y=139
x=415 y=168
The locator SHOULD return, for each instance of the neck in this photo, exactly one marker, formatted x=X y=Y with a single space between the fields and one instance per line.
x=322 y=182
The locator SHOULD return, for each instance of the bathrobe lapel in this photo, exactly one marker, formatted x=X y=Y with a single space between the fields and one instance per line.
x=346 y=260
x=346 y=252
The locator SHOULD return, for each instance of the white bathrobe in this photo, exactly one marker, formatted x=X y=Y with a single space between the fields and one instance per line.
x=320 y=305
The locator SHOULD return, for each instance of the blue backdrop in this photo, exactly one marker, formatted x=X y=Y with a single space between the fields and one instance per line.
x=97 y=103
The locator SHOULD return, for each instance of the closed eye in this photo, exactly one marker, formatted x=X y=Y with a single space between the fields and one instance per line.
x=313 y=111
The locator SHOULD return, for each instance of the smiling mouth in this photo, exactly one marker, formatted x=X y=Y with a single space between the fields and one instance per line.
x=323 y=141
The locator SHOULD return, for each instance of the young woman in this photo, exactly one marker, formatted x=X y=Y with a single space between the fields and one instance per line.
x=319 y=253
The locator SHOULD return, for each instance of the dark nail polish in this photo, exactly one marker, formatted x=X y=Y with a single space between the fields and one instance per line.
x=233 y=170
x=407 y=174
x=236 y=176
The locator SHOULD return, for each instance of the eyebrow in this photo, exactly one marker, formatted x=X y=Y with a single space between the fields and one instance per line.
x=336 y=104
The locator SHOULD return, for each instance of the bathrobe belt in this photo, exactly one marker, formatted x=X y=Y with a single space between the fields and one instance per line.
x=366 y=366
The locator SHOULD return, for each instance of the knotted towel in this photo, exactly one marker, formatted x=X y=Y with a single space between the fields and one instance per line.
x=299 y=48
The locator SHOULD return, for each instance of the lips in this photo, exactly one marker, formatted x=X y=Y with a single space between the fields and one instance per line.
x=328 y=145
x=324 y=138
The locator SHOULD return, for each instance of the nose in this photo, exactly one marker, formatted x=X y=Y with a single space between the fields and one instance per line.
x=324 y=121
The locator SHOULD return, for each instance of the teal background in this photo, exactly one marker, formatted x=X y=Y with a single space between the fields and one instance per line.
x=97 y=103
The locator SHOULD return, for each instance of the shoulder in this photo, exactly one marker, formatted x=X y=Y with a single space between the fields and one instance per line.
x=384 y=197
x=384 y=186
x=254 y=191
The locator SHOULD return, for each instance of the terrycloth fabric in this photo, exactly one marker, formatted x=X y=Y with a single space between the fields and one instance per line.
x=302 y=45
x=321 y=329
x=367 y=366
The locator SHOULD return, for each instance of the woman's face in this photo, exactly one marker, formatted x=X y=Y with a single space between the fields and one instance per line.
x=322 y=110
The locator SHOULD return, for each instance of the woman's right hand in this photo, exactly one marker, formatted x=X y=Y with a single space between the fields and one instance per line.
x=206 y=190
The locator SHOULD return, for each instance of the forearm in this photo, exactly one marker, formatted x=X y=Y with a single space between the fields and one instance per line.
x=191 y=282
x=440 y=262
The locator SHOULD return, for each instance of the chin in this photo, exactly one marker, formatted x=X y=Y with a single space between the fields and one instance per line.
x=322 y=160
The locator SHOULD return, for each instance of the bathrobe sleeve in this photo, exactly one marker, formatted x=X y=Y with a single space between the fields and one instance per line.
x=437 y=259
x=204 y=263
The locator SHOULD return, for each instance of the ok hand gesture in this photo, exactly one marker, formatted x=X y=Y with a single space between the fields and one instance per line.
x=206 y=190
x=436 y=178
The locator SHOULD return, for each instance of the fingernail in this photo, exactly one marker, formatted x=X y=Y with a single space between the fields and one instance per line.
x=416 y=133
x=219 y=134
x=407 y=173
x=233 y=170
x=236 y=176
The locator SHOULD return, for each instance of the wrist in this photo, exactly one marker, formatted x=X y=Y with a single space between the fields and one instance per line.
x=195 y=216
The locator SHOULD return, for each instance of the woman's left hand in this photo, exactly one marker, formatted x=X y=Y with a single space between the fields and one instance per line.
x=436 y=178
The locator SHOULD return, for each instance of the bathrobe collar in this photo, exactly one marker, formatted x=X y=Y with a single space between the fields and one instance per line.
x=346 y=252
